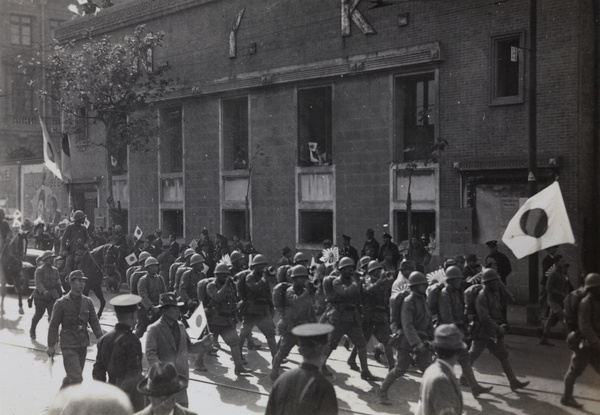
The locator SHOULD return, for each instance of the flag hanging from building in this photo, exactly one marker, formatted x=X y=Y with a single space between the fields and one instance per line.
x=540 y=223
x=49 y=153
x=65 y=158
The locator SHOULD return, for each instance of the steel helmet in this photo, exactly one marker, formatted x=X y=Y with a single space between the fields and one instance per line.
x=188 y=253
x=374 y=265
x=346 y=262
x=300 y=257
x=196 y=259
x=592 y=280
x=416 y=278
x=236 y=255
x=221 y=269
x=150 y=261
x=489 y=274
x=144 y=256
x=364 y=261
x=299 y=271
x=407 y=264
x=78 y=215
x=453 y=273
x=259 y=260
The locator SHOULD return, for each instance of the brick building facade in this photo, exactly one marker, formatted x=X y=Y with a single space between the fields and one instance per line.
x=314 y=107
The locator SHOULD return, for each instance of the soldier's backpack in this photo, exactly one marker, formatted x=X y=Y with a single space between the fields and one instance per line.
x=202 y=293
x=396 y=301
x=282 y=273
x=470 y=296
x=240 y=284
x=433 y=297
x=328 y=287
x=571 y=307
x=279 y=294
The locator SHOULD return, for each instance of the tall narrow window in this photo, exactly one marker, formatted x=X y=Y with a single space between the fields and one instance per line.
x=507 y=69
x=171 y=140
x=22 y=94
x=53 y=25
x=414 y=116
x=235 y=133
x=20 y=30
x=314 y=127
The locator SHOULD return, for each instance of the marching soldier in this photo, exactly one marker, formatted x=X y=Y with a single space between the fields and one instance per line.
x=183 y=260
x=417 y=330
x=134 y=268
x=47 y=289
x=150 y=286
x=237 y=262
x=221 y=313
x=298 y=305
x=345 y=315
x=73 y=312
x=120 y=351
x=491 y=328
x=188 y=291
x=74 y=242
x=451 y=311
x=258 y=309
x=377 y=289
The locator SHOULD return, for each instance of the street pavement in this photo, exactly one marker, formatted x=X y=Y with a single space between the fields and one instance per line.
x=27 y=385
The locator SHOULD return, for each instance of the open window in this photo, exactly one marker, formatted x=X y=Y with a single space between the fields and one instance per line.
x=315 y=226
x=507 y=69
x=314 y=127
x=235 y=133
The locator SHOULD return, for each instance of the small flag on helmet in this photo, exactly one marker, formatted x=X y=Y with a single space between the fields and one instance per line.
x=131 y=259
x=138 y=232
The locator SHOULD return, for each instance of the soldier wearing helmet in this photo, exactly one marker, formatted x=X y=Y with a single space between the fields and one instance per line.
x=401 y=284
x=238 y=263
x=177 y=269
x=298 y=305
x=452 y=311
x=417 y=331
x=188 y=292
x=588 y=352
x=345 y=314
x=75 y=242
x=150 y=286
x=135 y=268
x=490 y=333
x=377 y=289
x=258 y=310
x=557 y=288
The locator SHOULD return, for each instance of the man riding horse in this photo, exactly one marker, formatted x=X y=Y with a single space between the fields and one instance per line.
x=74 y=242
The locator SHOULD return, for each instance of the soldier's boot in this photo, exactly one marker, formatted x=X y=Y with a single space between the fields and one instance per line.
x=389 y=355
x=272 y=345
x=352 y=359
x=365 y=373
x=567 y=399
x=512 y=378
x=236 y=355
x=275 y=365
x=382 y=394
x=468 y=376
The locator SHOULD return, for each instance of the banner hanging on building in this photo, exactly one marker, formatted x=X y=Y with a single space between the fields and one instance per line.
x=50 y=155
x=540 y=223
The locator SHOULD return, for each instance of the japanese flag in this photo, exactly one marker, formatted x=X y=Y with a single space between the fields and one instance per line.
x=197 y=322
x=131 y=259
x=138 y=232
x=17 y=214
x=86 y=223
x=540 y=223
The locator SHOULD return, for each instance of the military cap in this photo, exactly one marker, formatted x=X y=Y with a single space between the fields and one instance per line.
x=492 y=243
x=77 y=274
x=312 y=334
x=286 y=250
x=387 y=235
x=346 y=237
x=45 y=255
x=167 y=299
x=448 y=336
x=125 y=303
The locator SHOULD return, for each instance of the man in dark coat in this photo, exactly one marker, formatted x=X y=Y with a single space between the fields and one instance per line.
x=371 y=246
x=388 y=244
x=502 y=261
x=348 y=250
x=305 y=390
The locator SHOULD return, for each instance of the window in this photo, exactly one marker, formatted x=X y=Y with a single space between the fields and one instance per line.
x=234 y=223
x=235 y=133
x=171 y=140
x=22 y=94
x=422 y=224
x=314 y=127
x=20 y=30
x=415 y=116
x=81 y=124
x=172 y=222
x=507 y=69
x=315 y=226
x=118 y=159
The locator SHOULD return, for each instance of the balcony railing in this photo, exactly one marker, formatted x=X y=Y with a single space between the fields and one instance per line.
x=53 y=124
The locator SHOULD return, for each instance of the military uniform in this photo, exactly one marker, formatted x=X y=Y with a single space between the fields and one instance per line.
x=149 y=287
x=47 y=291
x=120 y=356
x=73 y=244
x=188 y=287
x=73 y=313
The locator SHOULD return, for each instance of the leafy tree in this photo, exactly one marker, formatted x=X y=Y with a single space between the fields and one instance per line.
x=111 y=83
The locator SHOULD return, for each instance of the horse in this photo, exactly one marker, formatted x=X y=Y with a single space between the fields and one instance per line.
x=11 y=259
x=96 y=264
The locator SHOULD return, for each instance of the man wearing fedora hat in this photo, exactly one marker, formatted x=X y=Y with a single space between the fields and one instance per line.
x=305 y=390
x=167 y=340
x=73 y=312
x=440 y=391
x=120 y=351
x=163 y=384
x=47 y=288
